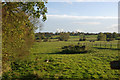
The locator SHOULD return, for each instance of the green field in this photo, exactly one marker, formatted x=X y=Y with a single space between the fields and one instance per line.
x=90 y=65
x=50 y=41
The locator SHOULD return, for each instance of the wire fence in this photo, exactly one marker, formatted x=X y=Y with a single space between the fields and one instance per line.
x=101 y=45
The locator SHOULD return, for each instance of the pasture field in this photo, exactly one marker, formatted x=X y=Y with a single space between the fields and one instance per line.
x=91 y=65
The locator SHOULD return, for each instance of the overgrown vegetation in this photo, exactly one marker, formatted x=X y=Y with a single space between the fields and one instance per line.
x=74 y=49
x=82 y=38
x=64 y=36
x=18 y=25
x=94 y=65
x=45 y=59
x=108 y=36
x=101 y=37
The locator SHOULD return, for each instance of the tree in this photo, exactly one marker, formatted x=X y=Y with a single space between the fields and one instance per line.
x=101 y=37
x=110 y=36
x=18 y=25
x=40 y=35
x=115 y=35
x=64 y=36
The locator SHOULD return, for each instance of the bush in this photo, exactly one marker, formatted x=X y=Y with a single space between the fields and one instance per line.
x=118 y=38
x=64 y=36
x=73 y=49
x=101 y=37
x=92 y=40
x=45 y=40
x=82 y=38
x=51 y=37
x=38 y=39
x=110 y=39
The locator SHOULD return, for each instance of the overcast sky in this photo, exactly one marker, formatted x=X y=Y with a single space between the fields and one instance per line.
x=81 y=16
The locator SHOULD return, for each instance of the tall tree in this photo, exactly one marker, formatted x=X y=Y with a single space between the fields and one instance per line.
x=18 y=25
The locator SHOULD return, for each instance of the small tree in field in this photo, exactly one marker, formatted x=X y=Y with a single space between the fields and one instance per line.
x=115 y=35
x=64 y=36
x=101 y=37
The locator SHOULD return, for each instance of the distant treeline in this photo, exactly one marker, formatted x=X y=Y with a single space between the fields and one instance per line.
x=49 y=34
x=78 y=33
x=61 y=36
x=108 y=36
x=64 y=36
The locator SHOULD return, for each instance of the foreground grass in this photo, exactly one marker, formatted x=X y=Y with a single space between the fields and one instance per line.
x=91 y=65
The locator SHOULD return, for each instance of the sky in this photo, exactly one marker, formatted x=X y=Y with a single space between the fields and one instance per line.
x=81 y=17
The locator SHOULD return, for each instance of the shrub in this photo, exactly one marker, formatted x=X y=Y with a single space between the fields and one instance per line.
x=51 y=37
x=101 y=37
x=110 y=39
x=73 y=49
x=64 y=36
x=45 y=40
x=118 y=38
x=91 y=40
x=38 y=39
x=82 y=38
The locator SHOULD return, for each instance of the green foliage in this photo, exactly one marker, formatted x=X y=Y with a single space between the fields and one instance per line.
x=94 y=65
x=43 y=35
x=28 y=7
x=73 y=49
x=18 y=29
x=111 y=37
x=118 y=38
x=115 y=35
x=64 y=36
x=45 y=40
x=82 y=38
x=101 y=37
x=108 y=36
x=38 y=39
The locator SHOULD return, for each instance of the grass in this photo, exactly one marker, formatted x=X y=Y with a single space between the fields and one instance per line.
x=91 y=65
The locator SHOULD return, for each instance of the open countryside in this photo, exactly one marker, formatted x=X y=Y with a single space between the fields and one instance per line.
x=33 y=48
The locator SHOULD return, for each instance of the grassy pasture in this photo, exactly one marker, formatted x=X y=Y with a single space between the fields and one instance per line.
x=91 y=65
x=91 y=37
x=76 y=38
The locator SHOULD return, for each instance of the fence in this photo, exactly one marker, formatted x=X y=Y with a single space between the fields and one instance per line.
x=101 y=45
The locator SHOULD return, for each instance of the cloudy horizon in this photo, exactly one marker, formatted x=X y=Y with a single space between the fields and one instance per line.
x=81 y=17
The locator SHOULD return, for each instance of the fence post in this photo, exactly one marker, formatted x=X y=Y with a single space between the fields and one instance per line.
x=105 y=45
x=93 y=44
x=100 y=44
x=111 y=46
